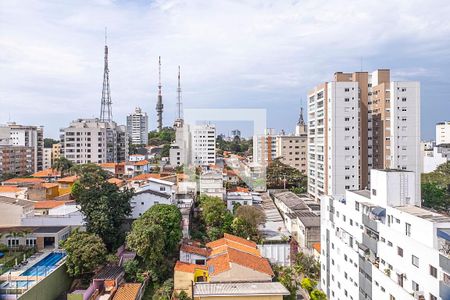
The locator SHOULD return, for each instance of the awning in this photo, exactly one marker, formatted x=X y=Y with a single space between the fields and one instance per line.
x=444 y=233
x=379 y=211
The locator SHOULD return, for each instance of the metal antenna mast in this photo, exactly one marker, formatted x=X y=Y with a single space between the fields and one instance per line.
x=106 y=108
x=179 y=95
x=159 y=104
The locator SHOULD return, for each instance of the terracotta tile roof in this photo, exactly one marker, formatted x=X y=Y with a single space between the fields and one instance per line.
x=24 y=180
x=9 y=189
x=239 y=189
x=108 y=165
x=141 y=163
x=145 y=176
x=49 y=185
x=316 y=246
x=188 y=268
x=194 y=249
x=47 y=173
x=223 y=262
x=127 y=291
x=227 y=238
x=237 y=246
x=68 y=179
x=116 y=181
x=48 y=204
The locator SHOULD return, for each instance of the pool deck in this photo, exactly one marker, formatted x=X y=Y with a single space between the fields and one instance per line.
x=15 y=274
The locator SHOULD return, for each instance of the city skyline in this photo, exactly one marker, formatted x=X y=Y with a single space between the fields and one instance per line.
x=53 y=56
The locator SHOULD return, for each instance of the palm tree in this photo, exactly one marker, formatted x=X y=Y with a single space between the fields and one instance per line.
x=62 y=165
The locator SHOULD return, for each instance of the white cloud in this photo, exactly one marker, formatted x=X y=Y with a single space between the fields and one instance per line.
x=232 y=53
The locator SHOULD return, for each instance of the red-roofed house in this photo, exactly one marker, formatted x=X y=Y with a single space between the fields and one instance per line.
x=23 y=182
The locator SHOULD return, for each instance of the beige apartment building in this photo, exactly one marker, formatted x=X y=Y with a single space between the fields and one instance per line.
x=293 y=149
x=358 y=122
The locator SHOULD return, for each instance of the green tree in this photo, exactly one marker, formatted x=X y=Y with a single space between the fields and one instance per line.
x=216 y=216
x=48 y=142
x=251 y=214
x=165 y=152
x=280 y=175
x=183 y=296
x=6 y=176
x=318 y=295
x=286 y=276
x=105 y=207
x=85 y=252
x=62 y=165
x=155 y=236
x=435 y=196
x=244 y=229
x=164 y=292
x=308 y=284
x=307 y=265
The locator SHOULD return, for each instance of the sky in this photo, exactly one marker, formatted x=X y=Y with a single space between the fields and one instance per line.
x=233 y=54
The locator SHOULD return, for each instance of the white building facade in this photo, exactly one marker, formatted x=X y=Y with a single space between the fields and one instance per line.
x=203 y=143
x=137 y=127
x=380 y=244
x=358 y=122
x=443 y=133
x=94 y=141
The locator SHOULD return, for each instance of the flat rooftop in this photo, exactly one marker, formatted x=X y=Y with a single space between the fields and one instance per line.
x=239 y=289
x=424 y=213
x=364 y=193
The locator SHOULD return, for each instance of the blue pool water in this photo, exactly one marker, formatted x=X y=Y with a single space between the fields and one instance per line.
x=45 y=265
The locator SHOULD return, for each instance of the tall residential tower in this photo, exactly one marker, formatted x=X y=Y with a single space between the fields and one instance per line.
x=358 y=122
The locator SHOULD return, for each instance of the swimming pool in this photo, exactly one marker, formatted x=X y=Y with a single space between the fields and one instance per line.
x=45 y=265
x=17 y=284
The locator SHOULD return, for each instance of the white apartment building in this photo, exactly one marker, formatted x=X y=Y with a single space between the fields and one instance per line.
x=28 y=136
x=94 y=141
x=358 y=122
x=47 y=158
x=137 y=127
x=443 y=133
x=203 y=141
x=379 y=244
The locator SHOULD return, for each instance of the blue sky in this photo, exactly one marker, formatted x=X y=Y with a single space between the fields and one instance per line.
x=233 y=54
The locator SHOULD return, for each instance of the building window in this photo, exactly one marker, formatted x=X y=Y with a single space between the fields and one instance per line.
x=374 y=192
x=357 y=206
x=433 y=297
x=433 y=271
x=415 y=261
x=408 y=229
x=415 y=286
x=400 y=251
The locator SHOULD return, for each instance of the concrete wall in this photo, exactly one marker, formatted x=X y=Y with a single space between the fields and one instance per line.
x=51 y=287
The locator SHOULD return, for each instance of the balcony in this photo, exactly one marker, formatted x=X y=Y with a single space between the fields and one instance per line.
x=372 y=224
x=370 y=242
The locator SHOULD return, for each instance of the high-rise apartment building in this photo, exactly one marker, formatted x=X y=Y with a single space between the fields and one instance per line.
x=137 y=127
x=203 y=144
x=47 y=158
x=292 y=151
x=380 y=244
x=16 y=160
x=180 y=150
x=26 y=136
x=94 y=141
x=265 y=147
x=358 y=122
x=443 y=133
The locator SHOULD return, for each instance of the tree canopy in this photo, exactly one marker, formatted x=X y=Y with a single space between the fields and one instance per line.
x=237 y=145
x=156 y=235
x=62 y=165
x=436 y=188
x=103 y=205
x=216 y=216
x=279 y=174
x=165 y=136
x=85 y=252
